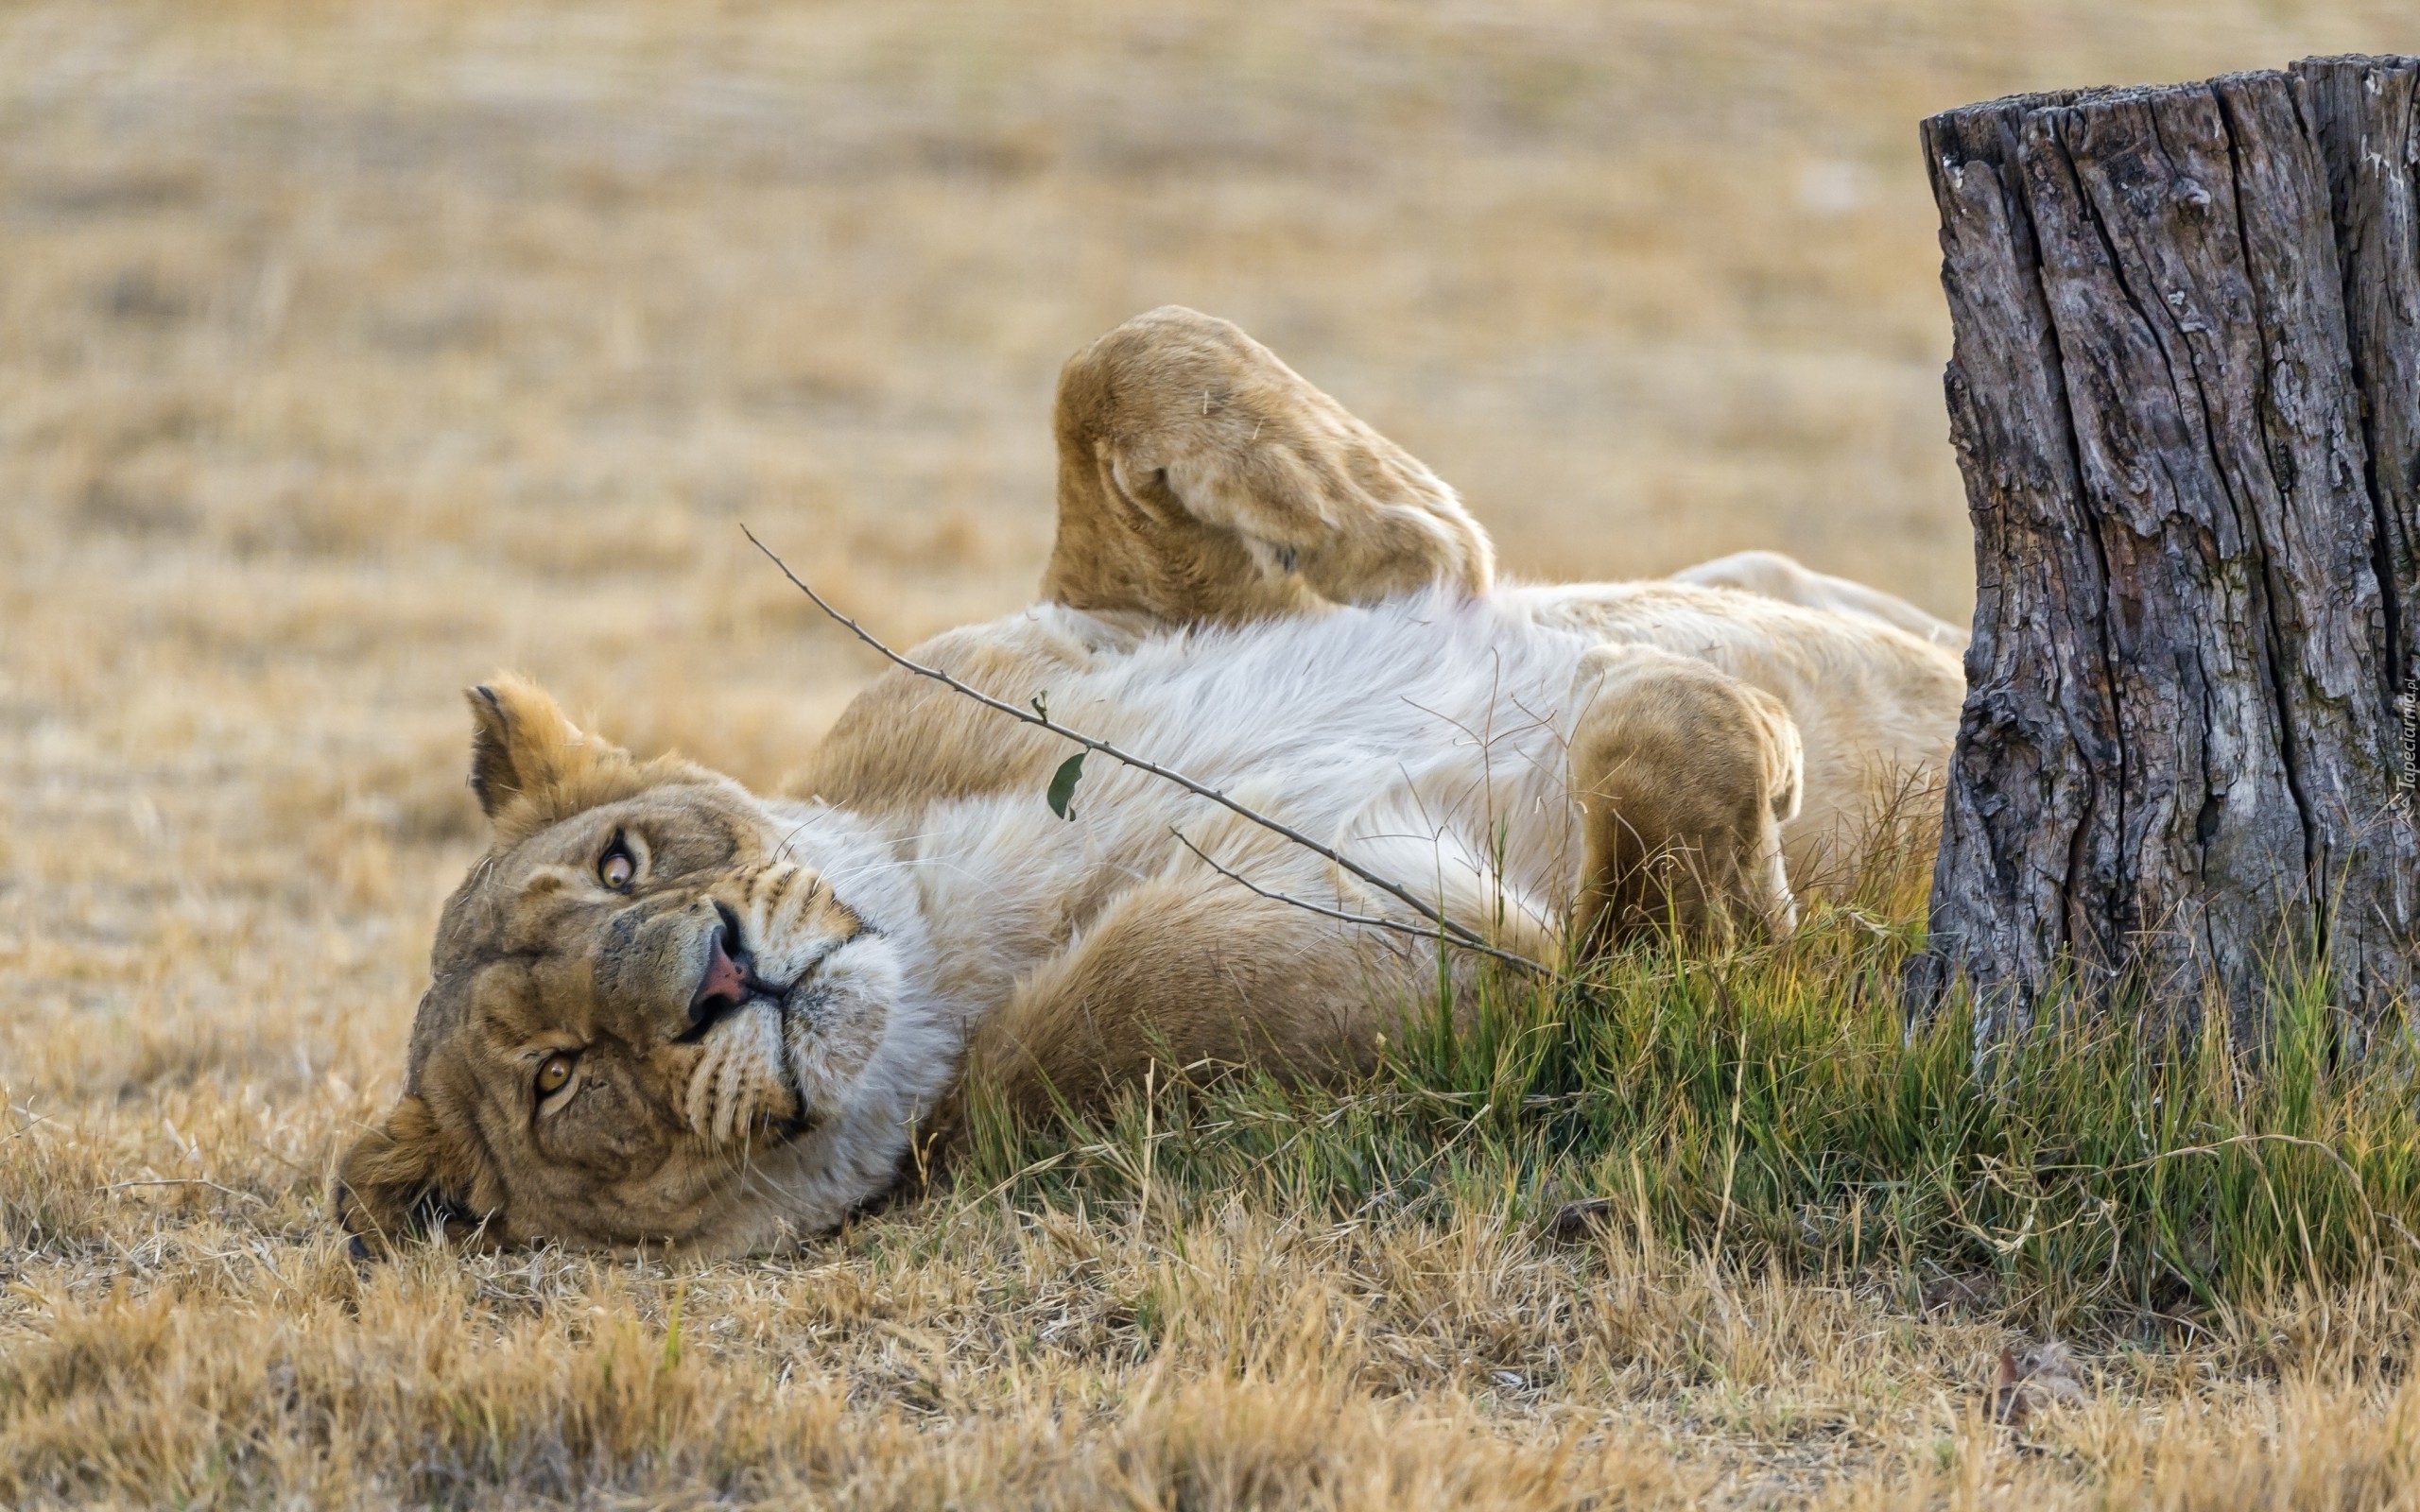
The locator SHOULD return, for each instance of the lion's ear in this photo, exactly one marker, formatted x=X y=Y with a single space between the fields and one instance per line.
x=401 y=1181
x=529 y=762
x=518 y=738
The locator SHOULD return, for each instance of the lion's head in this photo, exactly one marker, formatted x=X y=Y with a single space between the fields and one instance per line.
x=650 y=1018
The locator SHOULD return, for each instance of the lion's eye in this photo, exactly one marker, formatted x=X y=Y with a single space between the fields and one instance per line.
x=617 y=867
x=552 y=1073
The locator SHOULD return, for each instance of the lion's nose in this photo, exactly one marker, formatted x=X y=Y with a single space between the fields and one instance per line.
x=725 y=984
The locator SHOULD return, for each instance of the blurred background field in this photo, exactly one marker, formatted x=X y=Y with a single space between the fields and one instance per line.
x=350 y=352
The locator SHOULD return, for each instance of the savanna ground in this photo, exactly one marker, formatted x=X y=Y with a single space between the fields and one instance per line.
x=350 y=352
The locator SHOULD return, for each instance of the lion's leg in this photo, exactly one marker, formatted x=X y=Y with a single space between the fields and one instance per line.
x=1177 y=972
x=1201 y=479
x=1684 y=775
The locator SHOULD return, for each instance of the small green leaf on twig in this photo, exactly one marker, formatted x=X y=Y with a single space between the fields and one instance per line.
x=1063 y=786
x=1042 y=705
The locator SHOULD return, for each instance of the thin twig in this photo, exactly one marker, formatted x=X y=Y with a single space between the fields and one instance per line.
x=186 y=1181
x=1042 y=721
x=1374 y=921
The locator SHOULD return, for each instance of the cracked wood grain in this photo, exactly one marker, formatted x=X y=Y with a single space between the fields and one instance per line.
x=2182 y=390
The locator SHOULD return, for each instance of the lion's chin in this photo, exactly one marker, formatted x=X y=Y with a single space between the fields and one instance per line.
x=833 y=1029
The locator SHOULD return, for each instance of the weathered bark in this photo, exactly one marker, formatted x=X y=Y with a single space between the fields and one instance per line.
x=2184 y=393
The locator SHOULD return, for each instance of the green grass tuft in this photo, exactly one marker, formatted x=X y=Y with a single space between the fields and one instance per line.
x=1774 y=1106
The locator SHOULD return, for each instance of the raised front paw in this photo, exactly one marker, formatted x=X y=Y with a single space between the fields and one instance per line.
x=1199 y=478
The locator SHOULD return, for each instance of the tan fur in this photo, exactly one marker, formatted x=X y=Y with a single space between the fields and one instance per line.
x=1726 y=749
x=1770 y=575
x=1662 y=853
x=1201 y=479
x=906 y=742
x=1179 y=972
x=1874 y=706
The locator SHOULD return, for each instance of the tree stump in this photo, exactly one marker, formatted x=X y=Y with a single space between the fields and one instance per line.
x=2184 y=393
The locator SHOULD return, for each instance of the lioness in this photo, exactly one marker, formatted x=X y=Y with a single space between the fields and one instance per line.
x=666 y=1009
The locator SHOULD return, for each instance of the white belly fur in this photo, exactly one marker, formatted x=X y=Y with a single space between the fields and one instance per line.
x=1424 y=737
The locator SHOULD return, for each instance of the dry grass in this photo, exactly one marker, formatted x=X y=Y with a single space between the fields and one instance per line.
x=348 y=353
